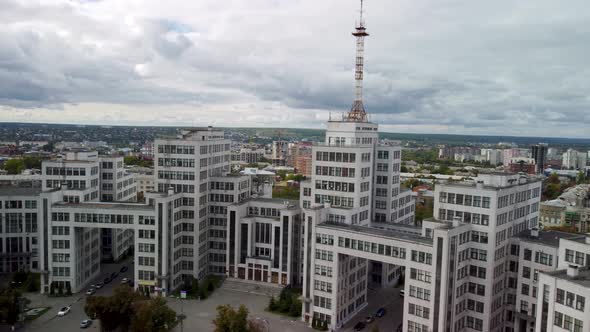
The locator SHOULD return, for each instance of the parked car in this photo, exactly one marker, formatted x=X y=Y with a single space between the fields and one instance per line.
x=107 y=280
x=124 y=268
x=63 y=311
x=369 y=319
x=91 y=291
x=402 y=293
x=380 y=312
x=359 y=326
x=114 y=275
x=85 y=323
x=125 y=281
x=98 y=285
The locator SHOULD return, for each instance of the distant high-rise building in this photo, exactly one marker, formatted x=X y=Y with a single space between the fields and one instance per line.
x=573 y=159
x=539 y=153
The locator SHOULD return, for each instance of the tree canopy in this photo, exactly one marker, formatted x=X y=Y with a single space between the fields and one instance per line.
x=127 y=309
x=14 y=166
x=152 y=315
x=231 y=320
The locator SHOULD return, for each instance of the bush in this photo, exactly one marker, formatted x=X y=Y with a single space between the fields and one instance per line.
x=288 y=303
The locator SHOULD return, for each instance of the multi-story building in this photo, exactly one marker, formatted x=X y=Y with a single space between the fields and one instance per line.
x=187 y=164
x=570 y=209
x=280 y=153
x=19 y=240
x=539 y=153
x=265 y=241
x=573 y=159
x=531 y=252
x=492 y=156
x=247 y=155
x=144 y=178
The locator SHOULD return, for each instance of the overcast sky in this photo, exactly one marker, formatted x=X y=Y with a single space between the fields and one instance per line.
x=458 y=67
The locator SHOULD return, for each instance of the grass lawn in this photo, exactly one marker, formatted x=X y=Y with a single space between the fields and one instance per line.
x=38 y=312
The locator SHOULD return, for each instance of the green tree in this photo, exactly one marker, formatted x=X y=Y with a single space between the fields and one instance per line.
x=14 y=166
x=152 y=315
x=32 y=162
x=581 y=178
x=195 y=287
x=230 y=320
x=113 y=311
x=10 y=308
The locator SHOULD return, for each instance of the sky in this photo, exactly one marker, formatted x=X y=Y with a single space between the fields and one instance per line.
x=499 y=67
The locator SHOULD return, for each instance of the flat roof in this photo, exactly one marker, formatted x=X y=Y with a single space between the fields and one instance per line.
x=19 y=191
x=582 y=279
x=550 y=238
x=107 y=206
x=386 y=233
x=281 y=201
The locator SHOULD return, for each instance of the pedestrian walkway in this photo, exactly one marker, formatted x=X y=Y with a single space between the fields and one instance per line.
x=251 y=288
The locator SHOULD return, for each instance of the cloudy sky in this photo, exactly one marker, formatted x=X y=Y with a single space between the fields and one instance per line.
x=442 y=66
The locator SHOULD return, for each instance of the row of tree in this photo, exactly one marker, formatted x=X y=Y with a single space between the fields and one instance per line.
x=128 y=310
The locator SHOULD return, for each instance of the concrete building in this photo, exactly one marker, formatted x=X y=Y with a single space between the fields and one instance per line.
x=186 y=164
x=247 y=155
x=280 y=153
x=493 y=156
x=19 y=240
x=144 y=179
x=265 y=241
x=573 y=159
x=508 y=154
x=539 y=153
x=520 y=164
x=531 y=252
x=570 y=209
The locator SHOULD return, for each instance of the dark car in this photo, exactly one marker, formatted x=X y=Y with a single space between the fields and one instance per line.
x=380 y=312
x=359 y=326
x=106 y=280
x=114 y=275
x=124 y=269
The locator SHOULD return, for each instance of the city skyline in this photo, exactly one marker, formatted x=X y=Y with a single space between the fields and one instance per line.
x=452 y=68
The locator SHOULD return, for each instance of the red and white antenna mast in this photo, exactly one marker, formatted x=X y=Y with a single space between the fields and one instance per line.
x=357 y=112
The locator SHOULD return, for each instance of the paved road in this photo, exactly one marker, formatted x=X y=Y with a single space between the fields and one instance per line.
x=71 y=322
x=387 y=298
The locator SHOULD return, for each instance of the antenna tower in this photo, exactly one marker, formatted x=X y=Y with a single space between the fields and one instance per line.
x=357 y=112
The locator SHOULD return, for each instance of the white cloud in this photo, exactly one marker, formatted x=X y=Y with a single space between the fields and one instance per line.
x=502 y=67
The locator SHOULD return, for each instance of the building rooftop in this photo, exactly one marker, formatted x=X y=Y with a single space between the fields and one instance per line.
x=384 y=233
x=550 y=238
x=19 y=191
x=582 y=279
x=290 y=203
x=107 y=206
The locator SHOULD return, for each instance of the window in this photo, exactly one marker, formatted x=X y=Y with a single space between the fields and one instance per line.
x=527 y=254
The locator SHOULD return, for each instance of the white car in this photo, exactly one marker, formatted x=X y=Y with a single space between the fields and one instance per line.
x=124 y=281
x=63 y=311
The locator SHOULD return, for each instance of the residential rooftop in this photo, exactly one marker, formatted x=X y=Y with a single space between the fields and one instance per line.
x=291 y=203
x=107 y=206
x=383 y=233
x=583 y=277
x=19 y=191
x=550 y=238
